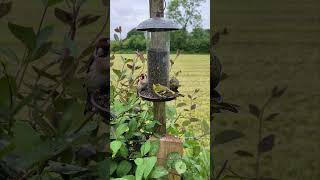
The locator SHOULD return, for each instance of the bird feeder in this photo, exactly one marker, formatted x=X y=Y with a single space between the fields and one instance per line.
x=157 y=33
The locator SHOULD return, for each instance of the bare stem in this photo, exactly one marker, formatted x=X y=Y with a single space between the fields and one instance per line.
x=258 y=159
x=42 y=18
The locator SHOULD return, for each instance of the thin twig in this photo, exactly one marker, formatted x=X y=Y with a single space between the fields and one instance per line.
x=260 y=137
x=222 y=169
x=42 y=19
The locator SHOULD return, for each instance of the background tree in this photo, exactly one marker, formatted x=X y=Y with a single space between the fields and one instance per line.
x=185 y=12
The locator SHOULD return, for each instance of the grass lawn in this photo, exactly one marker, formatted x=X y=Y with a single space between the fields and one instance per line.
x=272 y=43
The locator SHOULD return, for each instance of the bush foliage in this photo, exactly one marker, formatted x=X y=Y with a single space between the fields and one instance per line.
x=197 y=41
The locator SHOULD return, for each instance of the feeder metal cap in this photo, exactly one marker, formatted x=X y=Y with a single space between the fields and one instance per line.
x=157 y=24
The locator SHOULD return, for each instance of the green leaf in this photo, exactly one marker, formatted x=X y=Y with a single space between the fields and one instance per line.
x=87 y=20
x=86 y=52
x=71 y=118
x=145 y=148
x=5 y=8
x=227 y=136
x=9 y=53
x=25 y=34
x=102 y=168
x=6 y=148
x=116 y=37
x=267 y=143
x=44 y=35
x=140 y=168
x=113 y=167
x=63 y=16
x=52 y=147
x=138 y=161
x=194 y=120
x=205 y=126
x=122 y=128
x=124 y=152
x=23 y=131
x=115 y=146
x=155 y=145
x=172 y=158
x=63 y=168
x=123 y=168
x=186 y=123
x=180 y=167
x=117 y=72
x=158 y=172
x=276 y=92
x=42 y=51
x=51 y=3
x=149 y=163
x=254 y=110
x=181 y=105
x=271 y=116
x=128 y=177
x=242 y=153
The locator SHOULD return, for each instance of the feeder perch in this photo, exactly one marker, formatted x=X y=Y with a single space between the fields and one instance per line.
x=157 y=33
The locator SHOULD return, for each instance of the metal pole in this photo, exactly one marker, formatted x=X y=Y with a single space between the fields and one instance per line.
x=159 y=108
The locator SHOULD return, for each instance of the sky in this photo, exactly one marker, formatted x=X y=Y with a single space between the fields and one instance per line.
x=129 y=13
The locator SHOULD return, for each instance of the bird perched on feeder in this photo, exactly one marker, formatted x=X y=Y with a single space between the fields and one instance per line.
x=174 y=85
x=97 y=79
x=163 y=91
x=142 y=82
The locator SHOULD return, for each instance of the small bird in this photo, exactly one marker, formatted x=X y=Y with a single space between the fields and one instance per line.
x=162 y=91
x=142 y=82
x=97 y=79
x=174 y=84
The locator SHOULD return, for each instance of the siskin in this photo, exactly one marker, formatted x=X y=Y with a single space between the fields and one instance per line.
x=174 y=84
x=163 y=91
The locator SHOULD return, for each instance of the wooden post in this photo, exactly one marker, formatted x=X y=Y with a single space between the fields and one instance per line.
x=159 y=108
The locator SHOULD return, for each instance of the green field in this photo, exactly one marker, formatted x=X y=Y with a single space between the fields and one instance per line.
x=272 y=43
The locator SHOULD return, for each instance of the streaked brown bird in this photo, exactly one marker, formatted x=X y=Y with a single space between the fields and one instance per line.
x=97 y=80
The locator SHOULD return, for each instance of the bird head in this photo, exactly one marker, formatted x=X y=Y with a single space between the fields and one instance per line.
x=102 y=48
x=142 y=77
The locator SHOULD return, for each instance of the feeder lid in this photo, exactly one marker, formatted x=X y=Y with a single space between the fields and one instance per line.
x=157 y=24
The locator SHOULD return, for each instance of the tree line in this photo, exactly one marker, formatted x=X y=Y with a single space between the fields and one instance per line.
x=196 y=41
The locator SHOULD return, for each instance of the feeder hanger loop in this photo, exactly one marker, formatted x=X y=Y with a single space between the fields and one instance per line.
x=160 y=12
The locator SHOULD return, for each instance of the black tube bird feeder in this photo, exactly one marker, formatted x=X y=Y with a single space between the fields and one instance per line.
x=157 y=32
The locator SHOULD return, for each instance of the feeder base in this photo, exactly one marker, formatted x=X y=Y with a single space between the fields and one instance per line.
x=151 y=96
